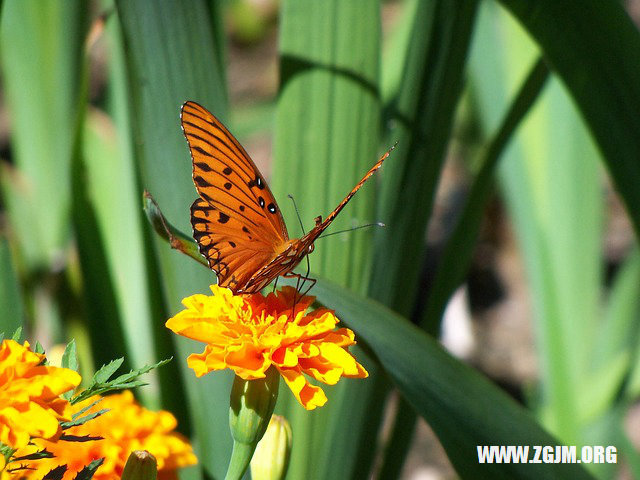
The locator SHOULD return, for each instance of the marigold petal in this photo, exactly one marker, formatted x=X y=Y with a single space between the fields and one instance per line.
x=192 y=326
x=343 y=337
x=207 y=361
x=30 y=402
x=285 y=358
x=249 y=333
x=308 y=395
x=247 y=361
x=125 y=427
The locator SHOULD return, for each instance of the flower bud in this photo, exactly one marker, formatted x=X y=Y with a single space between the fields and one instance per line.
x=271 y=458
x=251 y=406
x=141 y=465
x=252 y=403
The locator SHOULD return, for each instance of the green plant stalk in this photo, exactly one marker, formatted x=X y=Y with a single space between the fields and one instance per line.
x=424 y=108
x=327 y=137
x=11 y=306
x=457 y=253
x=607 y=63
x=42 y=51
x=454 y=263
x=171 y=57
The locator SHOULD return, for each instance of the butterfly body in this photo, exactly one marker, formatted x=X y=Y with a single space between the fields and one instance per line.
x=236 y=220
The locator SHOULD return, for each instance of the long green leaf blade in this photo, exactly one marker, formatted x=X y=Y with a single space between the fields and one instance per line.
x=607 y=63
x=42 y=47
x=172 y=57
x=462 y=407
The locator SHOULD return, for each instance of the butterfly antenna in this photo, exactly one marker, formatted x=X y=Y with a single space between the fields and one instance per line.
x=297 y=213
x=376 y=224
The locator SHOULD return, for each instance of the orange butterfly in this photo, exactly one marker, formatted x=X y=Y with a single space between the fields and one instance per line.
x=236 y=221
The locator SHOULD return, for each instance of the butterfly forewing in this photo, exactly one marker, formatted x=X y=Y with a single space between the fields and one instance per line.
x=226 y=177
x=236 y=221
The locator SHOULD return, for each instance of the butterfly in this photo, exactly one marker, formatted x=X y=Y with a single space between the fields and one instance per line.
x=236 y=220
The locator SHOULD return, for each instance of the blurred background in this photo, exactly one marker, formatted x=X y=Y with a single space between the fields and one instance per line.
x=506 y=201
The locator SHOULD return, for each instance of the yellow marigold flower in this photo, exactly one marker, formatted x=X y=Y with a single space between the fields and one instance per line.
x=30 y=401
x=251 y=333
x=126 y=427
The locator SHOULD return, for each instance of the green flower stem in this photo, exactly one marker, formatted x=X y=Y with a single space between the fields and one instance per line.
x=240 y=458
x=251 y=406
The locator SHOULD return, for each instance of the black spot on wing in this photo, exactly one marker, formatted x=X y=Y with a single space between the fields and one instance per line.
x=202 y=151
x=256 y=182
x=203 y=166
x=227 y=171
x=272 y=208
x=223 y=218
x=201 y=182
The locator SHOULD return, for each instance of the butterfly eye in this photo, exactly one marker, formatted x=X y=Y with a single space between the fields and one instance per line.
x=318 y=220
x=311 y=247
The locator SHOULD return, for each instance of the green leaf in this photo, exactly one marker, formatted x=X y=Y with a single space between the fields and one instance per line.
x=102 y=385
x=11 y=306
x=99 y=306
x=455 y=259
x=85 y=409
x=70 y=356
x=327 y=125
x=423 y=107
x=87 y=472
x=109 y=225
x=423 y=110
x=173 y=55
x=327 y=137
x=105 y=372
x=33 y=456
x=84 y=419
x=461 y=406
x=42 y=46
x=17 y=335
x=56 y=474
x=552 y=188
x=594 y=46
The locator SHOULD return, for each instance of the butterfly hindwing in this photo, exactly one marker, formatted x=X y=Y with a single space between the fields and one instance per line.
x=229 y=246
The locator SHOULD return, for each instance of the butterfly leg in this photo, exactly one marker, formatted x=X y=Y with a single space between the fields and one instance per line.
x=300 y=281
x=312 y=281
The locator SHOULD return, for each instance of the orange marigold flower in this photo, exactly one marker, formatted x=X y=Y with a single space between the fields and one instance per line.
x=251 y=333
x=30 y=401
x=126 y=427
